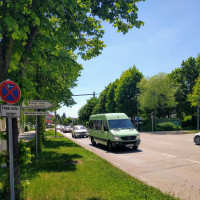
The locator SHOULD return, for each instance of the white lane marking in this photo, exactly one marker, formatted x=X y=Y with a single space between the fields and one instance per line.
x=194 y=161
x=168 y=155
x=166 y=143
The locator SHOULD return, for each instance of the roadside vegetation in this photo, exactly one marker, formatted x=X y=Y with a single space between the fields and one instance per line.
x=65 y=170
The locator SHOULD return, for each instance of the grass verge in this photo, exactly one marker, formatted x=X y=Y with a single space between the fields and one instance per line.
x=65 y=171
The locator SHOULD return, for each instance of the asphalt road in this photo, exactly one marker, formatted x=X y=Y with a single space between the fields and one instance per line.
x=168 y=162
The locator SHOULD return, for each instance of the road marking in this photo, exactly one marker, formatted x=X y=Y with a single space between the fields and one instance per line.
x=166 y=143
x=168 y=155
x=193 y=161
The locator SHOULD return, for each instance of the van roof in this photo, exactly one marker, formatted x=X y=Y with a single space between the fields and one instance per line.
x=109 y=116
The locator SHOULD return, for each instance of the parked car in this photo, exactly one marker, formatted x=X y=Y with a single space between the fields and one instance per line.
x=67 y=129
x=197 y=138
x=79 y=131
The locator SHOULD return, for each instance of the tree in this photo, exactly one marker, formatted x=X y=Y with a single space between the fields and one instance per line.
x=157 y=94
x=185 y=78
x=101 y=105
x=193 y=97
x=33 y=33
x=110 y=97
x=127 y=91
x=87 y=110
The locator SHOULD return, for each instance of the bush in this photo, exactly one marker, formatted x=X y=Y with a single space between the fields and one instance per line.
x=168 y=126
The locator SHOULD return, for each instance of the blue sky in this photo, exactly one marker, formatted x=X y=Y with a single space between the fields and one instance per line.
x=170 y=35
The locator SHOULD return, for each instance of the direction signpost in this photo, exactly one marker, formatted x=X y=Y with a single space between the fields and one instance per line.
x=10 y=93
x=36 y=104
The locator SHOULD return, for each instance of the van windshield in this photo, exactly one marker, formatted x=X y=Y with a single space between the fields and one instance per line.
x=120 y=124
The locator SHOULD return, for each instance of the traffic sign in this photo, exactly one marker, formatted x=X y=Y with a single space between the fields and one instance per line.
x=10 y=92
x=10 y=111
x=37 y=113
x=37 y=104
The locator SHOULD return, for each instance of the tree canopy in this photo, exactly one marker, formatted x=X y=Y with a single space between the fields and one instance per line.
x=156 y=93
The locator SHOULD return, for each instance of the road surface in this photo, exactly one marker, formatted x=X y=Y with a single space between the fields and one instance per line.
x=168 y=162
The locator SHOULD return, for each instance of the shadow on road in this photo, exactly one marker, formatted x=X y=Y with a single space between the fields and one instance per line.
x=118 y=150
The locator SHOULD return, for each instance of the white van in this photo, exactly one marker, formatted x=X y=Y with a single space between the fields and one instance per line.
x=113 y=130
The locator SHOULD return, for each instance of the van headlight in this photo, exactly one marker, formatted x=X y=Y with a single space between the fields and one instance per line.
x=137 y=137
x=115 y=137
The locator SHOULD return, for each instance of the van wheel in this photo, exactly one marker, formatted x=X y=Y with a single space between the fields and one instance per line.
x=135 y=147
x=74 y=135
x=92 y=141
x=109 y=146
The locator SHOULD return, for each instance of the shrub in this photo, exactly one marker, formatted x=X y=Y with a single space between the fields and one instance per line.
x=168 y=126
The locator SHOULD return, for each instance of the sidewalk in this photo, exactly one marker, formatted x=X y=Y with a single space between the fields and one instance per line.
x=27 y=135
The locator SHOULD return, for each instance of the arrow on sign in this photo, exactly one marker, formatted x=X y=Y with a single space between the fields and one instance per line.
x=37 y=104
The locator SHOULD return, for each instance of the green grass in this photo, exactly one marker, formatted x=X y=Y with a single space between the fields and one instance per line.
x=65 y=171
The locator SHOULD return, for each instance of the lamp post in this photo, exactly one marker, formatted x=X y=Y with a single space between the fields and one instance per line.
x=198 y=113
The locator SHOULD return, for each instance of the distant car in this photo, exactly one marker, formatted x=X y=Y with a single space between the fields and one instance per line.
x=58 y=127
x=79 y=131
x=197 y=138
x=67 y=129
x=62 y=127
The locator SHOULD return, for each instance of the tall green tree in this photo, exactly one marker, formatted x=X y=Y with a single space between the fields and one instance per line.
x=87 y=110
x=102 y=100
x=185 y=78
x=157 y=94
x=32 y=32
x=127 y=91
x=110 y=97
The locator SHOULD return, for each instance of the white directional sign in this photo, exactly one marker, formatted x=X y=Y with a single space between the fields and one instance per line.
x=37 y=104
x=10 y=111
x=35 y=113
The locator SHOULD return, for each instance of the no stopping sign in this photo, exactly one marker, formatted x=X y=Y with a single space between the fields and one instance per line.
x=10 y=92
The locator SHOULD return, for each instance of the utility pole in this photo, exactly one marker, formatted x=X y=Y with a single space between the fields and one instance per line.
x=198 y=112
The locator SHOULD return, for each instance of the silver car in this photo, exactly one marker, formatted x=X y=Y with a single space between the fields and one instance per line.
x=79 y=131
x=197 y=138
x=67 y=129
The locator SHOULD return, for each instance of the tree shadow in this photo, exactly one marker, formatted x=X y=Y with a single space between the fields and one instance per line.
x=51 y=161
x=59 y=143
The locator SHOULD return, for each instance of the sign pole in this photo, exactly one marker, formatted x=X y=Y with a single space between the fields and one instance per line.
x=55 y=125
x=36 y=137
x=12 y=189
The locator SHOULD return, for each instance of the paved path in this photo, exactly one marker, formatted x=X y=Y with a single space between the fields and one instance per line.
x=27 y=135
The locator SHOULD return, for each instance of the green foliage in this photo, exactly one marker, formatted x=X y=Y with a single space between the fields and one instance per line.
x=25 y=155
x=126 y=92
x=87 y=110
x=110 y=97
x=157 y=94
x=167 y=126
x=101 y=104
x=4 y=157
x=186 y=78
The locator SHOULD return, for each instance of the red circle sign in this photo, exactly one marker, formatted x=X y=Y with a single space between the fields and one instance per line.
x=10 y=92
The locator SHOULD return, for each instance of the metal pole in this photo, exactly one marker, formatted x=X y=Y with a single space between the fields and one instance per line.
x=12 y=188
x=36 y=137
x=152 y=120
x=198 y=113
x=55 y=126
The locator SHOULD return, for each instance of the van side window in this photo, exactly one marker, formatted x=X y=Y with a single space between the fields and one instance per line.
x=105 y=126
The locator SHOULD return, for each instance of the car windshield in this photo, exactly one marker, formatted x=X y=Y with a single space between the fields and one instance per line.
x=79 y=128
x=120 y=124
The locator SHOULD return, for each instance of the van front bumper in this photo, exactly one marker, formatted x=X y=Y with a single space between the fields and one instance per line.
x=116 y=144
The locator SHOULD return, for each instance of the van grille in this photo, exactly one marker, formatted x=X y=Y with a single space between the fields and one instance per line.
x=128 y=138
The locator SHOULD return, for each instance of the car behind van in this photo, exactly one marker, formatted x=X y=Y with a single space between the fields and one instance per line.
x=113 y=130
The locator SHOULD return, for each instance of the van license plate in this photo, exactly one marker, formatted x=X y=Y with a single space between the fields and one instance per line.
x=129 y=145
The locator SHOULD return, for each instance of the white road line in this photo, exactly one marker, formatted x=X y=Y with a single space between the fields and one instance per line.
x=193 y=161
x=166 y=143
x=168 y=155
